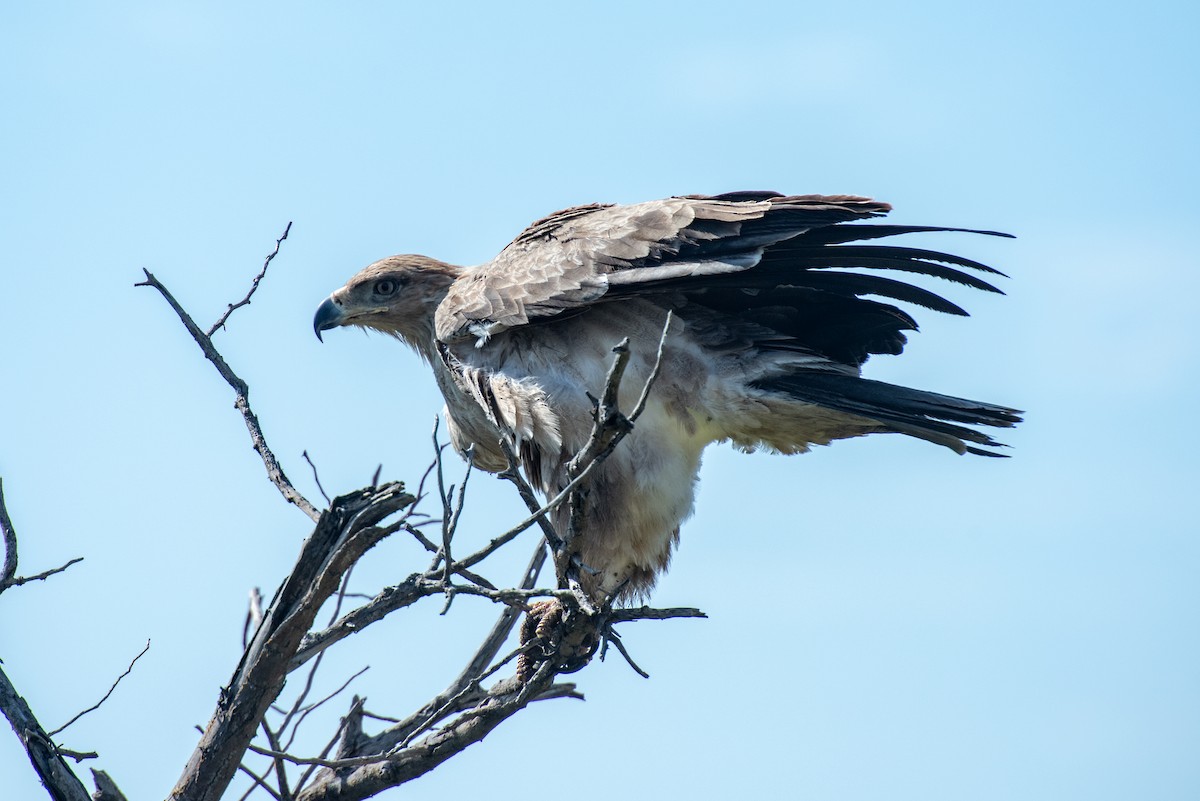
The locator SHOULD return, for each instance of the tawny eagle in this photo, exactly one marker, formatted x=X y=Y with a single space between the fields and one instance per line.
x=769 y=329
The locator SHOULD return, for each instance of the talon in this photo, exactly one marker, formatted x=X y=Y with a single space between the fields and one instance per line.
x=569 y=643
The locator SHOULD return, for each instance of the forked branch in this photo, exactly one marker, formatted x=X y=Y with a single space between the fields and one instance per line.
x=242 y=403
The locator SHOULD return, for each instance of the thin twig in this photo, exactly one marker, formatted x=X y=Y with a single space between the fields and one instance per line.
x=615 y=639
x=449 y=527
x=304 y=713
x=507 y=702
x=355 y=709
x=45 y=574
x=259 y=781
x=317 y=478
x=280 y=766
x=253 y=286
x=241 y=402
x=8 y=574
x=474 y=672
x=450 y=705
x=96 y=706
x=504 y=624
x=654 y=371
x=291 y=713
x=538 y=512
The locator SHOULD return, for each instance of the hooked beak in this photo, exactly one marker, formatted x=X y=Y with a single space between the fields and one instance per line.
x=329 y=315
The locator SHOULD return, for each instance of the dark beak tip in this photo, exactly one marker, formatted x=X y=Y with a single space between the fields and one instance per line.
x=328 y=316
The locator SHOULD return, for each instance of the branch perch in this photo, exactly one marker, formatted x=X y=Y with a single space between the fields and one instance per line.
x=344 y=532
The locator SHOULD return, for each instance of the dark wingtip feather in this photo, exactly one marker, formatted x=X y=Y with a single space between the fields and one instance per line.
x=856 y=232
x=992 y=454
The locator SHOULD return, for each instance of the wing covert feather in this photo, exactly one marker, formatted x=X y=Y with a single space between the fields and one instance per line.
x=569 y=260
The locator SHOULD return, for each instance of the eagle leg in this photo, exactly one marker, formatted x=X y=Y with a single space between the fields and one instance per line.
x=552 y=632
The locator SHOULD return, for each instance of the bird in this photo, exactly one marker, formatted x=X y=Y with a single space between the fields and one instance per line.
x=748 y=317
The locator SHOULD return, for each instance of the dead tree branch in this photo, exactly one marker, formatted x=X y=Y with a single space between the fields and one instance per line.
x=47 y=761
x=45 y=574
x=274 y=470
x=97 y=705
x=344 y=532
x=220 y=323
x=8 y=533
x=46 y=757
x=503 y=701
x=106 y=788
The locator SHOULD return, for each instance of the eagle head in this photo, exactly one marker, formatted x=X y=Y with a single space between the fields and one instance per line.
x=397 y=295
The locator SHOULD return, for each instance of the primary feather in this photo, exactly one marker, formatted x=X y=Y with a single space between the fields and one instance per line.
x=770 y=329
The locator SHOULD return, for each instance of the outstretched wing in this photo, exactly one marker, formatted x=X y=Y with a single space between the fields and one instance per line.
x=578 y=256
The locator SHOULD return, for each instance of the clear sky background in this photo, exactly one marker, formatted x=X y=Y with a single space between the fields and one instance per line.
x=888 y=620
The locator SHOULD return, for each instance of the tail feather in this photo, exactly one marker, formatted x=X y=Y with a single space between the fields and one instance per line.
x=941 y=419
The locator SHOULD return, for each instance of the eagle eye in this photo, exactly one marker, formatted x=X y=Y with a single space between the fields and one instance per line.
x=385 y=286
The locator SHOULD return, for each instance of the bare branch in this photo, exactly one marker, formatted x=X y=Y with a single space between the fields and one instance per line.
x=312 y=673
x=348 y=729
x=615 y=639
x=504 y=625
x=451 y=509
x=608 y=417
x=387 y=601
x=471 y=675
x=8 y=573
x=343 y=534
x=318 y=704
x=611 y=426
x=457 y=701
x=501 y=702
x=9 y=533
x=280 y=768
x=640 y=406
x=106 y=788
x=62 y=784
x=259 y=782
x=241 y=403
x=253 y=286
x=451 y=525
x=45 y=574
x=78 y=756
x=317 y=478
x=96 y=706
x=648 y=613
x=538 y=513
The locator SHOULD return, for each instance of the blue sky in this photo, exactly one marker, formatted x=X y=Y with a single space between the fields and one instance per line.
x=887 y=620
